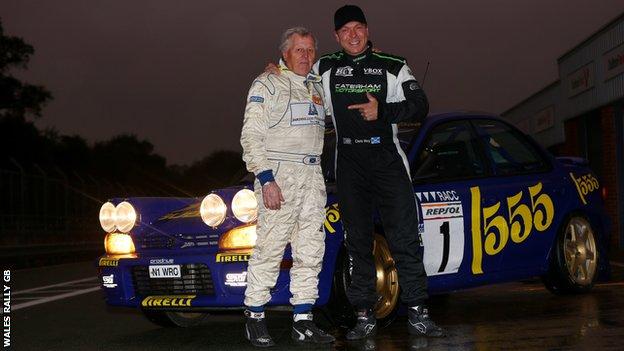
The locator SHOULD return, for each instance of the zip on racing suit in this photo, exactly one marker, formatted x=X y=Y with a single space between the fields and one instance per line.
x=372 y=169
x=282 y=140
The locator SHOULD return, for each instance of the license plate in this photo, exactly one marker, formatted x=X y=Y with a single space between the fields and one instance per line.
x=168 y=271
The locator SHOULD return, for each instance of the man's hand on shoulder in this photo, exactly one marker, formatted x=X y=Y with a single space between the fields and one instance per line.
x=272 y=196
x=272 y=68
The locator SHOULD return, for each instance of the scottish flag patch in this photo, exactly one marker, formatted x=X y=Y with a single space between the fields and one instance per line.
x=259 y=99
x=375 y=140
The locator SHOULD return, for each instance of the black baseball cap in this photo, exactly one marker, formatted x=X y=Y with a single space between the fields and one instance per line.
x=347 y=14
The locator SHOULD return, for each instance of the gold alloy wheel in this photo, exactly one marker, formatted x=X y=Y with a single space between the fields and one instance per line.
x=580 y=252
x=387 y=284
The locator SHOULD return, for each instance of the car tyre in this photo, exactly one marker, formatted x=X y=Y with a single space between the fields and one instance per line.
x=574 y=259
x=340 y=312
x=175 y=319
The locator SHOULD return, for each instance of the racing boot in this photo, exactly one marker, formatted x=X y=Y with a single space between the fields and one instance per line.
x=365 y=327
x=305 y=330
x=256 y=329
x=419 y=322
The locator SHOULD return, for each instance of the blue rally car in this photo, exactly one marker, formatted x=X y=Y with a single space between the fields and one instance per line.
x=493 y=207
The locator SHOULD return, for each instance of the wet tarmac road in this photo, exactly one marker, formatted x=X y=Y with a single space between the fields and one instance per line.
x=507 y=316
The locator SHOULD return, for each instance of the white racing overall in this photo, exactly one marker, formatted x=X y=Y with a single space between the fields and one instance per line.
x=283 y=131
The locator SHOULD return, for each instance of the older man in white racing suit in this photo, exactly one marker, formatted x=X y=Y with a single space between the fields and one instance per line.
x=282 y=140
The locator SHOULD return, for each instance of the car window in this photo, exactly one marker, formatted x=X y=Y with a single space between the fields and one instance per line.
x=449 y=152
x=509 y=150
x=406 y=132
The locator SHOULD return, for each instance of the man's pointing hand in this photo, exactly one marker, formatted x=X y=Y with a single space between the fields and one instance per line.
x=367 y=110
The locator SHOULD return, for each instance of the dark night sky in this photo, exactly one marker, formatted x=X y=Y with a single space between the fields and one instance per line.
x=177 y=73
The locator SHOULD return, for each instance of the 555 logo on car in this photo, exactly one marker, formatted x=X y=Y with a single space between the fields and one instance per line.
x=585 y=185
x=492 y=230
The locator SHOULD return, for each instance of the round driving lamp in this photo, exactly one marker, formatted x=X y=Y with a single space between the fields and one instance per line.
x=245 y=206
x=125 y=217
x=107 y=217
x=213 y=210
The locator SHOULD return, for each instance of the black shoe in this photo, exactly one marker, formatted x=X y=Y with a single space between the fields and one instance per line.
x=419 y=322
x=256 y=330
x=365 y=327
x=304 y=330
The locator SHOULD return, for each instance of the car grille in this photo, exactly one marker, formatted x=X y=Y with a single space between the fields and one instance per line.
x=196 y=279
x=156 y=241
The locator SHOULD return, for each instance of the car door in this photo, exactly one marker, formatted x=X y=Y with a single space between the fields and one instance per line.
x=447 y=164
x=518 y=200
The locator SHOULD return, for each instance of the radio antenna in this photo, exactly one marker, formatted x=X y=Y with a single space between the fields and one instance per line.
x=422 y=84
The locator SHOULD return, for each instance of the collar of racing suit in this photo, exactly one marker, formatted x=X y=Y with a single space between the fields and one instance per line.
x=362 y=56
x=311 y=77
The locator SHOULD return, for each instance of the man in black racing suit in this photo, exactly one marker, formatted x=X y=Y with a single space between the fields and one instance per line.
x=370 y=93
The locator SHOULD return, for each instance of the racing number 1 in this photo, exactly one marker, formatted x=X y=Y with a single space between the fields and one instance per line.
x=446 y=235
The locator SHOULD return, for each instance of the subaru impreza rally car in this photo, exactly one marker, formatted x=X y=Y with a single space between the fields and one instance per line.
x=493 y=207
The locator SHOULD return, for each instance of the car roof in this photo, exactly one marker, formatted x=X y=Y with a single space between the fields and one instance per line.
x=434 y=117
x=440 y=116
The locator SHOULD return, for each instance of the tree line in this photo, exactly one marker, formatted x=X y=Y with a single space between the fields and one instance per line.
x=124 y=159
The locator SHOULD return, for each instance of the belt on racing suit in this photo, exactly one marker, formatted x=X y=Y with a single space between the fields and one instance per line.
x=305 y=159
x=372 y=141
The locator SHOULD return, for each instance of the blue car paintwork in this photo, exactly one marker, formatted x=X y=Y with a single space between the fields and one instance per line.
x=192 y=241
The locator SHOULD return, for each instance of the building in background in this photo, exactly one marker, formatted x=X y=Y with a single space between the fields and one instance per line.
x=581 y=113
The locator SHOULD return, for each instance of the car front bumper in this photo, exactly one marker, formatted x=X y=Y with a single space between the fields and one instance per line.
x=207 y=281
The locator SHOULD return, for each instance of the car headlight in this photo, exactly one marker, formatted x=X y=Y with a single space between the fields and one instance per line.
x=245 y=206
x=118 y=244
x=107 y=217
x=125 y=217
x=239 y=238
x=213 y=210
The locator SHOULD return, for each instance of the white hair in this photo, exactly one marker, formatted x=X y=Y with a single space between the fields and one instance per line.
x=286 y=41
